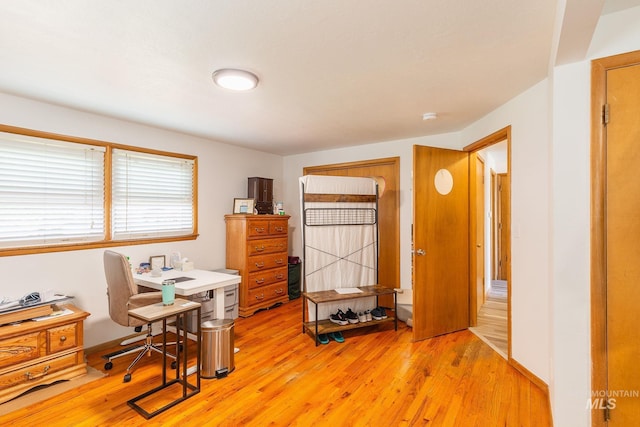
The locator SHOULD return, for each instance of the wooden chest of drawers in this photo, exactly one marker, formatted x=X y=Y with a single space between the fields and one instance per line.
x=41 y=352
x=257 y=246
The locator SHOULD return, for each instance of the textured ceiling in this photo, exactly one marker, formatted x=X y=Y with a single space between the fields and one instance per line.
x=332 y=73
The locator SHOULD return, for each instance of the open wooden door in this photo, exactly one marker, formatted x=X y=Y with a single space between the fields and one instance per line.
x=504 y=243
x=476 y=235
x=440 y=241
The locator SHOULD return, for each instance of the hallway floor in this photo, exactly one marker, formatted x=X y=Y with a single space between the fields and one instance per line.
x=492 y=318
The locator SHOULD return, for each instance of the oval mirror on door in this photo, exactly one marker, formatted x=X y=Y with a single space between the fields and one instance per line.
x=443 y=182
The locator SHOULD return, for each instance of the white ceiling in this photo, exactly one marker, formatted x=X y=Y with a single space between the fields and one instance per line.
x=332 y=73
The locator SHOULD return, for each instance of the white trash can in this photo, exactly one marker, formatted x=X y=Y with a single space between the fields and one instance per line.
x=217 y=348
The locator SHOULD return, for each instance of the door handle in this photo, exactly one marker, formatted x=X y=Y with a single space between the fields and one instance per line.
x=420 y=252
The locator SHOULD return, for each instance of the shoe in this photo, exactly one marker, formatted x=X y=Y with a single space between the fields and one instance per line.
x=323 y=339
x=368 y=315
x=362 y=317
x=337 y=336
x=351 y=316
x=376 y=313
x=339 y=318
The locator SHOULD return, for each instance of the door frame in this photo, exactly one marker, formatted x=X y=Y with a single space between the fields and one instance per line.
x=503 y=134
x=476 y=228
x=599 y=68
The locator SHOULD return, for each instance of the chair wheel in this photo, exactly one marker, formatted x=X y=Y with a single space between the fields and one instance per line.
x=126 y=378
x=108 y=366
x=174 y=365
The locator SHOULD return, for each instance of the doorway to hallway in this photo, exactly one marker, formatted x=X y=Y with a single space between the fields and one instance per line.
x=491 y=234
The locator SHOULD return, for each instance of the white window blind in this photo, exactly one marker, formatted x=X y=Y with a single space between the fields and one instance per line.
x=152 y=195
x=51 y=192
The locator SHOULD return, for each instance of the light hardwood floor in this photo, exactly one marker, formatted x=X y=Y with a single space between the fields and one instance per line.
x=492 y=319
x=377 y=377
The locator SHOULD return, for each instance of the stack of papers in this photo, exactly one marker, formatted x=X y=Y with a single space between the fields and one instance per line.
x=349 y=291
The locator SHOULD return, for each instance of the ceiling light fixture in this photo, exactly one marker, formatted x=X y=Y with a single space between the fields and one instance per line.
x=233 y=79
x=429 y=116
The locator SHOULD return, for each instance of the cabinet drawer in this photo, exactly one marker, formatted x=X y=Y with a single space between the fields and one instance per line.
x=265 y=262
x=230 y=295
x=20 y=349
x=273 y=227
x=61 y=338
x=263 y=278
x=266 y=293
x=267 y=246
x=278 y=227
x=258 y=228
x=37 y=371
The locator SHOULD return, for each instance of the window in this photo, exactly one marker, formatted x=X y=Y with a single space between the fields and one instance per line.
x=55 y=193
x=152 y=195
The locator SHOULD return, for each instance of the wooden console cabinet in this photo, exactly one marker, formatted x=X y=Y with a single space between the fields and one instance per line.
x=257 y=246
x=41 y=352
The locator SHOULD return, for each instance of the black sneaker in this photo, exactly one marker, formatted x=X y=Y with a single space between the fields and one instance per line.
x=378 y=313
x=351 y=316
x=339 y=318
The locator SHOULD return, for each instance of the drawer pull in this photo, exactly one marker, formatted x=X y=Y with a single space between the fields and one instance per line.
x=279 y=229
x=279 y=261
x=30 y=376
x=259 y=230
x=259 y=281
x=261 y=296
x=63 y=338
x=280 y=276
x=260 y=248
x=259 y=264
x=279 y=291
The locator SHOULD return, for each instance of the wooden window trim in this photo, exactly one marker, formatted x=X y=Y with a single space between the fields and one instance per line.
x=107 y=242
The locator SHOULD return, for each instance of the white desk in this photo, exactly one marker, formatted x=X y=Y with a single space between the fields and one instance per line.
x=203 y=280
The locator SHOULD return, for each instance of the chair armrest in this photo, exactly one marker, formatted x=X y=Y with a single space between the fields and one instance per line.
x=146 y=298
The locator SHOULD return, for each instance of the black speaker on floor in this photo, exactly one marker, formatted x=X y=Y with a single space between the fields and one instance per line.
x=294 y=280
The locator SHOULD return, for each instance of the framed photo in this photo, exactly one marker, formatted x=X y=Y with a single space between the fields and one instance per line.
x=243 y=206
x=157 y=262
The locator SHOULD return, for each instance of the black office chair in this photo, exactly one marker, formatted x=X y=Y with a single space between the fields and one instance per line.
x=123 y=296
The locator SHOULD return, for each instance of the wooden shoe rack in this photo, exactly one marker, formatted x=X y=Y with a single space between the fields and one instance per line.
x=324 y=326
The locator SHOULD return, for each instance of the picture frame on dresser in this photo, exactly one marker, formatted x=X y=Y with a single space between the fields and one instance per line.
x=243 y=206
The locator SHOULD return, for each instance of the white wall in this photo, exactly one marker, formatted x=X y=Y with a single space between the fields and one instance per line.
x=570 y=386
x=222 y=175
x=530 y=221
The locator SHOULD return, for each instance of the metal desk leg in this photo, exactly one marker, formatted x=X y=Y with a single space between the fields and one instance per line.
x=304 y=302
x=317 y=340
x=395 y=308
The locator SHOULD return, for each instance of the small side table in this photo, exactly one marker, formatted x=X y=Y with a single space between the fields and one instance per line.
x=154 y=313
